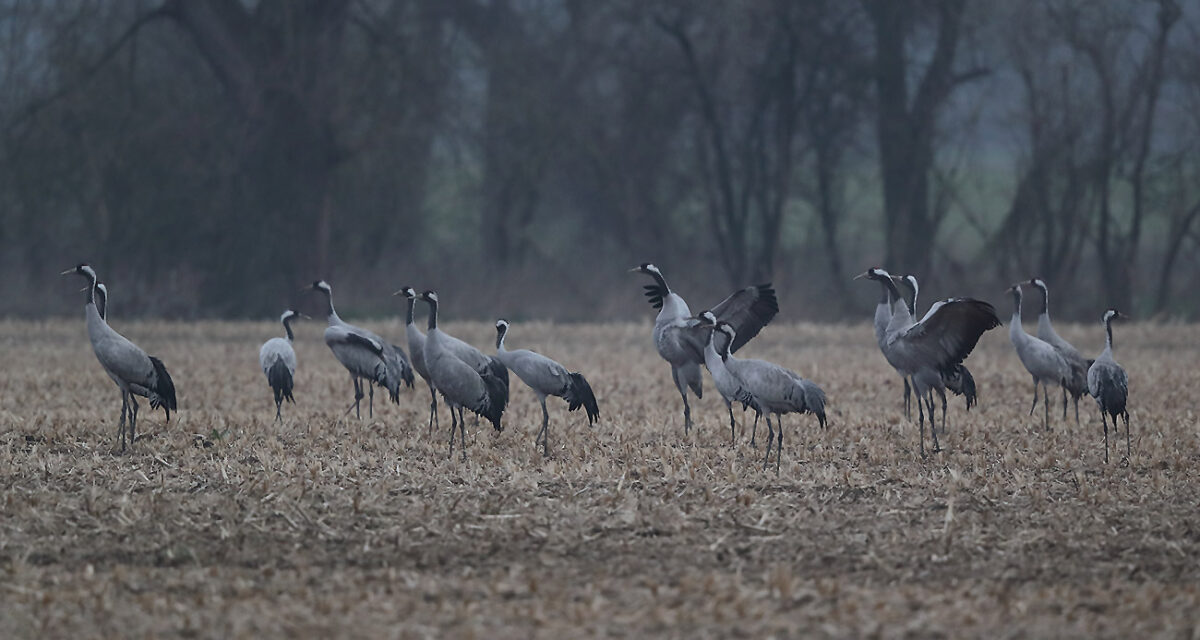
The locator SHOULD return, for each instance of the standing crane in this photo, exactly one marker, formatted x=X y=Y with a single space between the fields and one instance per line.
x=1041 y=360
x=883 y=317
x=547 y=378
x=728 y=385
x=278 y=362
x=365 y=355
x=134 y=372
x=957 y=379
x=934 y=347
x=1109 y=385
x=771 y=389
x=461 y=385
x=680 y=339
x=1077 y=365
x=416 y=349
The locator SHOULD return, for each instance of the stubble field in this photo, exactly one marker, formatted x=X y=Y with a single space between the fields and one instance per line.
x=223 y=524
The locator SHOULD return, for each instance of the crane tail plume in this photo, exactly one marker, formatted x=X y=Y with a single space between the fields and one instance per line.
x=163 y=388
x=958 y=380
x=579 y=394
x=280 y=380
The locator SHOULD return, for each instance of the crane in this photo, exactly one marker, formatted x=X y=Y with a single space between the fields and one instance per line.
x=1109 y=385
x=365 y=355
x=771 y=389
x=728 y=385
x=1041 y=360
x=933 y=347
x=278 y=362
x=957 y=379
x=680 y=339
x=134 y=372
x=1077 y=365
x=883 y=317
x=547 y=378
x=461 y=385
x=416 y=349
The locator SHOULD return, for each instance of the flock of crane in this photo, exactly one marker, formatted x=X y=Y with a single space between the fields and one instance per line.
x=928 y=354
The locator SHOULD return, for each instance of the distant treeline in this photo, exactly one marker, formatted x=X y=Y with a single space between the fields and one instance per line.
x=211 y=157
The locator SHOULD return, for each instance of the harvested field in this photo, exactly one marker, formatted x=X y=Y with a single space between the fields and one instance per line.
x=223 y=524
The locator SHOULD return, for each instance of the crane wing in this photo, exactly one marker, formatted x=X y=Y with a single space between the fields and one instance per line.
x=951 y=331
x=341 y=334
x=748 y=311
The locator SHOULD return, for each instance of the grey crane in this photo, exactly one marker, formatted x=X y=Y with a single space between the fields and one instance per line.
x=278 y=361
x=1041 y=359
x=957 y=379
x=461 y=385
x=134 y=372
x=933 y=347
x=728 y=385
x=883 y=317
x=483 y=364
x=365 y=355
x=680 y=339
x=1109 y=385
x=547 y=378
x=770 y=389
x=416 y=349
x=1077 y=365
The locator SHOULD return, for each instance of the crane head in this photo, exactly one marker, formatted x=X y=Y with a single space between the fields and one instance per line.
x=647 y=268
x=707 y=319
x=321 y=285
x=502 y=325
x=407 y=292
x=429 y=296
x=1039 y=283
x=730 y=333
x=83 y=269
x=289 y=315
x=1113 y=314
x=874 y=273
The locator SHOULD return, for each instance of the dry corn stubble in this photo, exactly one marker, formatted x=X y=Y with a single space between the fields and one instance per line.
x=222 y=523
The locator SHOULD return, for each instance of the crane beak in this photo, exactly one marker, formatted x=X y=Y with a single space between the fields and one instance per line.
x=861 y=275
x=67 y=272
x=304 y=316
x=635 y=270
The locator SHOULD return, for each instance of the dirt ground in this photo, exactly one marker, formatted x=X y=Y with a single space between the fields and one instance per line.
x=224 y=524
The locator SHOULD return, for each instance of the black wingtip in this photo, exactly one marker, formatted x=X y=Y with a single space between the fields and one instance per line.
x=656 y=294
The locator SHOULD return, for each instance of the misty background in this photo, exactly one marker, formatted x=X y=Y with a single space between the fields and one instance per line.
x=212 y=157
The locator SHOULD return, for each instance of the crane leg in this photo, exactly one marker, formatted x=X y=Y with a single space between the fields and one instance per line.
x=121 y=425
x=453 y=426
x=770 y=437
x=1104 y=420
x=687 y=409
x=942 y=393
x=545 y=432
x=1046 y=405
x=754 y=430
x=358 y=395
x=1076 y=410
x=1064 y=390
x=933 y=424
x=907 y=399
x=732 y=425
x=921 y=423
x=133 y=419
x=432 y=409
x=778 y=442
x=371 y=401
x=1035 y=396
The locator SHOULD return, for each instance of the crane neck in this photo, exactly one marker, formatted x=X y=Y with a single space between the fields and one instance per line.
x=408 y=314
x=1016 y=295
x=102 y=303
x=662 y=282
x=287 y=327
x=433 y=311
x=501 y=332
x=1044 y=309
x=331 y=314
x=1108 y=331
x=893 y=291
